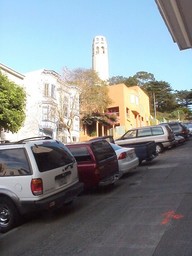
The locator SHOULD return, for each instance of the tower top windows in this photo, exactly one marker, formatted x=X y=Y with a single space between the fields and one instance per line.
x=100 y=57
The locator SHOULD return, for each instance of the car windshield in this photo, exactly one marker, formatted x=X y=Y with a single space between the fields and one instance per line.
x=130 y=134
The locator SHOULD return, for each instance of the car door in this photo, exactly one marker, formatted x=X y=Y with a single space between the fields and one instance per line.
x=106 y=159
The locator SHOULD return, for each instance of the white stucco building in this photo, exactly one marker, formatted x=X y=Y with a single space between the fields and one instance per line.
x=52 y=108
x=100 y=61
x=12 y=75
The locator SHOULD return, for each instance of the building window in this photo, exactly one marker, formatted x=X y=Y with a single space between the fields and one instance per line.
x=127 y=113
x=97 y=50
x=53 y=91
x=134 y=99
x=65 y=106
x=46 y=90
x=45 y=113
x=114 y=110
x=52 y=112
x=103 y=49
x=48 y=113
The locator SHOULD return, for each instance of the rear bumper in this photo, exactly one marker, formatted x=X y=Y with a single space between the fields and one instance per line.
x=125 y=168
x=168 y=144
x=110 y=180
x=152 y=156
x=54 y=201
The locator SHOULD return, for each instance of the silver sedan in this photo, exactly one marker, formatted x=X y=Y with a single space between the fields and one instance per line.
x=127 y=158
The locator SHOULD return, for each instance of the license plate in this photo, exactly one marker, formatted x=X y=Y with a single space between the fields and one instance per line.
x=131 y=155
x=52 y=204
x=62 y=178
x=62 y=181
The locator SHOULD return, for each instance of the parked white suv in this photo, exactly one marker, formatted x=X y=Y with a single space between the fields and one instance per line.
x=35 y=174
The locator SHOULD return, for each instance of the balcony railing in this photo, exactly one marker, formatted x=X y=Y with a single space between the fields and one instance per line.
x=48 y=124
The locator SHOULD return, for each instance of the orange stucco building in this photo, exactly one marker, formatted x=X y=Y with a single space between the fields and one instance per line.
x=131 y=105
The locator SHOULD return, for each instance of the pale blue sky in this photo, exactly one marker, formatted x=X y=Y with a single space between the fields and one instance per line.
x=54 y=34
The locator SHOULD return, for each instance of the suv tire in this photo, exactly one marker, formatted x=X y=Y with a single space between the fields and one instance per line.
x=159 y=148
x=9 y=216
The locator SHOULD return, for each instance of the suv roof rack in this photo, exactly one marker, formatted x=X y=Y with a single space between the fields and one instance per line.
x=34 y=138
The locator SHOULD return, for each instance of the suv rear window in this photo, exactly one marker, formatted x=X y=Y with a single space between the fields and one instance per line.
x=51 y=155
x=13 y=162
x=175 y=127
x=102 y=150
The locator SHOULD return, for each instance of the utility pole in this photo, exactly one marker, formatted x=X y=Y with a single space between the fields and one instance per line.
x=154 y=105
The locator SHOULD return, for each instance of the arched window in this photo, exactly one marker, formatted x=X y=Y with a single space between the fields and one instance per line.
x=103 y=49
x=97 y=50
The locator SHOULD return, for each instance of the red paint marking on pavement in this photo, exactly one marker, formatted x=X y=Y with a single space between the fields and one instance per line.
x=170 y=215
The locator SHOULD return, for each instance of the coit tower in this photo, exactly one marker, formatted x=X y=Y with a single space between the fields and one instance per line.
x=100 y=57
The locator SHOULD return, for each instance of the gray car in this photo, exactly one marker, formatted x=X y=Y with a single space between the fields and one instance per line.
x=161 y=134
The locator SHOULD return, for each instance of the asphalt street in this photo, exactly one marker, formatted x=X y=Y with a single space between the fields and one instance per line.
x=146 y=213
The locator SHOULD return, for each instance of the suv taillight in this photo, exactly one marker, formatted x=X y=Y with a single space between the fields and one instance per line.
x=37 y=186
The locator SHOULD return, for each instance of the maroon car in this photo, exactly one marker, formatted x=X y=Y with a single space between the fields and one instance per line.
x=97 y=162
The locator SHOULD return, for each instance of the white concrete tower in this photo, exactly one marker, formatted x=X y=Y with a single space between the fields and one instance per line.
x=100 y=57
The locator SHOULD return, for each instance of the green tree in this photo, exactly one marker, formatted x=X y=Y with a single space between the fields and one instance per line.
x=160 y=94
x=140 y=78
x=131 y=81
x=117 y=80
x=180 y=114
x=12 y=105
x=143 y=78
x=184 y=97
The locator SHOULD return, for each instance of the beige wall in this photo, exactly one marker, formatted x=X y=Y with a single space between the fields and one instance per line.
x=133 y=106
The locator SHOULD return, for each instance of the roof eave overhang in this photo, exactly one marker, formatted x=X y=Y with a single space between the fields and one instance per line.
x=178 y=19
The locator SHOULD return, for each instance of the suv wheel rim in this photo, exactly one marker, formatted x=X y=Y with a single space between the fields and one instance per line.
x=4 y=216
x=158 y=148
